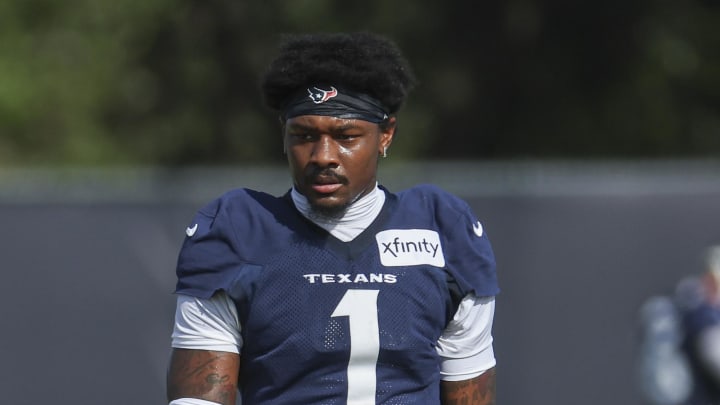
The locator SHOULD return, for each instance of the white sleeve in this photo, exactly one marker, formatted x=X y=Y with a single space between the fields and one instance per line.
x=207 y=324
x=465 y=346
x=709 y=348
x=192 y=401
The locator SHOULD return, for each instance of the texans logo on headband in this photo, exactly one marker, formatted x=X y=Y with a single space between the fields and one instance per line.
x=333 y=103
x=319 y=96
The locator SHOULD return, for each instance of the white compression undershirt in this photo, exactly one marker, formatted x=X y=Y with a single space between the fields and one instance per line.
x=355 y=219
x=192 y=401
x=465 y=346
x=709 y=349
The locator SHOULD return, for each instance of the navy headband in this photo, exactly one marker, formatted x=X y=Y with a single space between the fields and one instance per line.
x=329 y=101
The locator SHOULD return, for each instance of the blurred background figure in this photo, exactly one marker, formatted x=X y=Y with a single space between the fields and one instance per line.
x=680 y=341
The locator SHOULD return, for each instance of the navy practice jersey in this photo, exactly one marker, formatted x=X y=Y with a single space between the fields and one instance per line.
x=331 y=322
x=696 y=320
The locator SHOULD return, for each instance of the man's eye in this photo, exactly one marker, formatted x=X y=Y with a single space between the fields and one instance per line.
x=302 y=136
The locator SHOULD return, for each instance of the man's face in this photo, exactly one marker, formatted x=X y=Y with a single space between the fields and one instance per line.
x=334 y=160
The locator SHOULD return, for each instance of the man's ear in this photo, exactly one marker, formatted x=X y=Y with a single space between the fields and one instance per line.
x=387 y=132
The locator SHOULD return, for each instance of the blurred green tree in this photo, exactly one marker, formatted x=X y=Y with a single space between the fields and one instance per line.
x=159 y=82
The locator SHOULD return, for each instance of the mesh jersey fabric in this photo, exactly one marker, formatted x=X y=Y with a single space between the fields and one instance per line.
x=331 y=322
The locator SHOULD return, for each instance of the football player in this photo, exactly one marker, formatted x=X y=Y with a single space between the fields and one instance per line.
x=680 y=344
x=339 y=291
x=699 y=303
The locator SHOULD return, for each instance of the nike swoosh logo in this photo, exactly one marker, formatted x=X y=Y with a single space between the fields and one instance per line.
x=191 y=231
x=478 y=229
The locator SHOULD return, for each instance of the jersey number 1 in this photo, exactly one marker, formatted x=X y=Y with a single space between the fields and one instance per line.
x=360 y=306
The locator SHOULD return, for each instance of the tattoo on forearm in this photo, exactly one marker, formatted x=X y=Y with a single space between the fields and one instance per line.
x=215 y=379
x=477 y=391
x=205 y=375
x=219 y=385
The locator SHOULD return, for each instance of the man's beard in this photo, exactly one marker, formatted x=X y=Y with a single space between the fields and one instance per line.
x=334 y=212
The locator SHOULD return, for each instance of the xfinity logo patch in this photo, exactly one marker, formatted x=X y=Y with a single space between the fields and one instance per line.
x=408 y=247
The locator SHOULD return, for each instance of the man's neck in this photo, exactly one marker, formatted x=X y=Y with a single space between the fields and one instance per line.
x=355 y=219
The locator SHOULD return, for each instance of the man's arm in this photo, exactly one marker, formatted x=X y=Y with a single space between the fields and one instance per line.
x=476 y=391
x=203 y=374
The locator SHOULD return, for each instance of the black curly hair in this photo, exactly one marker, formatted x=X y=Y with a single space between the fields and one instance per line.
x=362 y=62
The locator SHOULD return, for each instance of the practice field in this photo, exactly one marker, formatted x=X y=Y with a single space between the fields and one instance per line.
x=88 y=272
